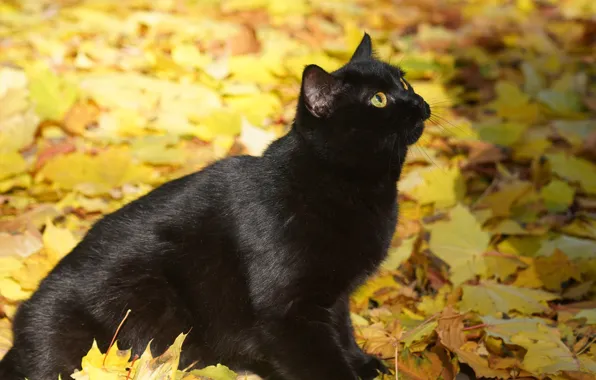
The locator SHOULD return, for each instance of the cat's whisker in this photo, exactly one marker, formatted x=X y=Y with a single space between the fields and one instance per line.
x=466 y=133
x=423 y=151
x=438 y=124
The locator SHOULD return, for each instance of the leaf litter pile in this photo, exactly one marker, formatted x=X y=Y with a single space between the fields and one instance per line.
x=493 y=265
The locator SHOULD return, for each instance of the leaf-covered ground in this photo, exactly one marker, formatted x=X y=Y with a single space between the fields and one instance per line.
x=493 y=265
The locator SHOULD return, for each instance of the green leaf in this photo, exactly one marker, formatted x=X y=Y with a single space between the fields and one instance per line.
x=557 y=195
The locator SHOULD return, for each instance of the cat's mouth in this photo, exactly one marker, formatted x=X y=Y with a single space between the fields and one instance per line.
x=414 y=134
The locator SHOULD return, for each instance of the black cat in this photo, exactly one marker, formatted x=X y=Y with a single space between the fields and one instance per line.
x=255 y=256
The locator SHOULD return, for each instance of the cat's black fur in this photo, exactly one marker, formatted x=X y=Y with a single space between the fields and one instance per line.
x=255 y=256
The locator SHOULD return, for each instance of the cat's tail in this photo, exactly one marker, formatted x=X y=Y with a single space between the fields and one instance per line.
x=8 y=367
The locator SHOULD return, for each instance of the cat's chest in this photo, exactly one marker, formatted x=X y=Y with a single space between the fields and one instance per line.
x=349 y=239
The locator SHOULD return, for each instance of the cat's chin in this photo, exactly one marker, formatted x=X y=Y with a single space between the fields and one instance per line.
x=415 y=133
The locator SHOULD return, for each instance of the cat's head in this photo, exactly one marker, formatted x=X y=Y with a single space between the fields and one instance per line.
x=363 y=109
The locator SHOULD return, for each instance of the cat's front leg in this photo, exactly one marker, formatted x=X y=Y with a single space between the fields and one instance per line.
x=300 y=347
x=367 y=366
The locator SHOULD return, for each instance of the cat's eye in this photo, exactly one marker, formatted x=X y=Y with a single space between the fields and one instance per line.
x=379 y=100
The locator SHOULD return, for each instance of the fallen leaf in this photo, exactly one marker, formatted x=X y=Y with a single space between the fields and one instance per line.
x=442 y=186
x=398 y=255
x=52 y=95
x=462 y=252
x=575 y=169
x=546 y=354
x=57 y=241
x=490 y=298
x=557 y=195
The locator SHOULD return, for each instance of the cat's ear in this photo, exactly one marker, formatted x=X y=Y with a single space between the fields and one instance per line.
x=364 y=50
x=319 y=90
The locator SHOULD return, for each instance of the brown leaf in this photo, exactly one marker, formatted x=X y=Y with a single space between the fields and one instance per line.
x=245 y=41
x=450 y=329
x=80 y=116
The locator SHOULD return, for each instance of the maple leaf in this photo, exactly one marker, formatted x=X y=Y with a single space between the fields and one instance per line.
x=51 y=95
x=550 y=272
x=490 y=298
x=546 y=354
x=155 y=90
x=462 y=252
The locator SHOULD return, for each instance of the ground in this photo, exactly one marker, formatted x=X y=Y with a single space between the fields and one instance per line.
x=493 y=266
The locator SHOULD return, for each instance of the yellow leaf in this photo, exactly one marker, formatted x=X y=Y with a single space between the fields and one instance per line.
x=188 y=55
x=219 y=122
x=506 y=134
x=501 y=267
x=419 y=333
x=550 y=272
x=467 y=354
x=442 y=186
x=500 y=201
x=156 y=150
x=10 y=289
x=513 y=104
x=51 y=95
x=34 y=269
x=249 y=68
x=216 y=372
x=5 y=336
x=490 y=298
x=18 y=122
x=508 y=227
x=431 y=305
x=398 y=255
x=8 y=265
x=575 y=170
x=58 y=241
x=521 y=246
x=11 y=164
x=256 y=107
x=461 y=251
x=368 y=290
x=161 y=367
x=87 y=173
x=507 y=328
x=94 y=367
x=546 y=354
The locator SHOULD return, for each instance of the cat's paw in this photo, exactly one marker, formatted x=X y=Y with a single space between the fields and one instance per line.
x=370 y=367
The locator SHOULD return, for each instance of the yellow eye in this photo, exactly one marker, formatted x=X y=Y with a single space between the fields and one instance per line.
x=379 y=100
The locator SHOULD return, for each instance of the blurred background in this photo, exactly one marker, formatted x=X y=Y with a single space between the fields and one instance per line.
x=493 y=266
